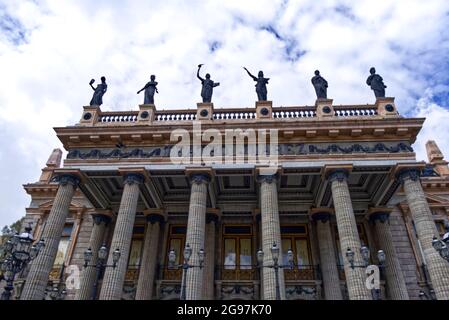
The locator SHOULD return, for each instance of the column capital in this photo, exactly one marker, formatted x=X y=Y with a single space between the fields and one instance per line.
x=336 y=172
x=133 y=175
x=64 y=177
x=268 y=178
x=131 y=178
x=154 y=217
x=199 y=175
x=409 y=173
x=404 y=171
x=212 y=215
x=378 y=214
x=321 y=214
x=100 y=217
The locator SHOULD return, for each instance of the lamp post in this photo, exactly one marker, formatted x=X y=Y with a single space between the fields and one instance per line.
x=18 y=251
x=101 y=264
x=185 y=265
x=441 y=246
x=365 y=253
x=275 y=255
x=58 y=291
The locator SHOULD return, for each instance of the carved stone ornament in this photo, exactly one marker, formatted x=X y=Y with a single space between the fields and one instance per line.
x=131 y=178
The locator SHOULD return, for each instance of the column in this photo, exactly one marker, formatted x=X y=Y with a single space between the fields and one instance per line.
x=328 y=261
x=114 y=278
x=88 y=274
x=395 y=279
x=147 y=271
x=349 y=237
x=36 y=281
x=425 y=228
x=196 y=225
x=209 y=263
x=271 y=233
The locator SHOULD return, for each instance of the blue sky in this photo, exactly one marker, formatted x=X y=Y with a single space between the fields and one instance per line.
x=49 y=50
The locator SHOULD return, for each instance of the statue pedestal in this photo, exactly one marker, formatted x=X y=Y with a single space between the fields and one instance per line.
x=146 y=113
x=264 y=109
x=205 y=111
x=90 y=115
x=386 y=107
x=324 y=108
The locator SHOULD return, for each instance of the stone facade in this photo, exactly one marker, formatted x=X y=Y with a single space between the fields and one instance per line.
x=333 y=171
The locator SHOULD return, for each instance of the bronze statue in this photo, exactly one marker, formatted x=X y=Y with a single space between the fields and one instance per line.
x=377 y=84
x=208 y=86
x=149 y=88
x=261 y=85
x=99 y=91
x=320 y=85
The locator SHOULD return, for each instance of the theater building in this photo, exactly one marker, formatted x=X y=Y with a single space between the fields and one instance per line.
x=346 y=177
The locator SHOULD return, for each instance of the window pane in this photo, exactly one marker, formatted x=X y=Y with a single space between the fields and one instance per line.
x=302 y=252
x=230 y=254
x=286 y=245
x=245 y=253
x=134 y=255
x=62 y=251
x=175 y=244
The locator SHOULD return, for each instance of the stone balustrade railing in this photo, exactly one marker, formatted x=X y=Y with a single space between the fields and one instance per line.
x=263 y=111
x=355 y=111
x=121 y=116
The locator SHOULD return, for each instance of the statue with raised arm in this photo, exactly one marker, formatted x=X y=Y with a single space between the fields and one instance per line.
x=149 y=88
x=99 y=91
x=320 y=85
x=376 y=83
x=208 y=86
x=261 y=85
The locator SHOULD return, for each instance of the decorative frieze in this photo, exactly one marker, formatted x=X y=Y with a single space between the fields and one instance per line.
x=285 y=149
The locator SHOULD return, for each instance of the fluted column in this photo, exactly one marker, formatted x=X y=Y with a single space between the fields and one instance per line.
x=88 y=274
x=328 y=261
x=196 y=225
x=209 y=263
x=271 y=233
x=425 y=228
x=147 y=271
x=114 y=278
x=349 y=236
x=36 y=281
x=395 y=279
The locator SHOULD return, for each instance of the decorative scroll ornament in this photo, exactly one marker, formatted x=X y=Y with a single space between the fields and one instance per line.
x=301 y=292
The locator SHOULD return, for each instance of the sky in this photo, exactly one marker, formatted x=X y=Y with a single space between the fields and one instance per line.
x=49 y=50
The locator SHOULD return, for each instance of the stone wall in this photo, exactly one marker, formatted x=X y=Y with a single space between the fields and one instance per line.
x=405 y=253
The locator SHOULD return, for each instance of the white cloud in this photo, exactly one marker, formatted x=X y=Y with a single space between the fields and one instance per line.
x=44 y=76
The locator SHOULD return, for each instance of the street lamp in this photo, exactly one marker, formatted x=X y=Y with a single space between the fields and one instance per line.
x=365 y=253
x=185 y=265
x=101 y=264
x=58 y=290
x=18 y=251
x=275 y=256
x=441 y=246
